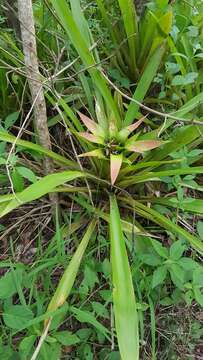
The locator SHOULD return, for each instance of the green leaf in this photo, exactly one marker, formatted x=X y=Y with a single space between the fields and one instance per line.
x=190 y=105
x=176 y=250
x=50 y=351
x=165 y=22
x=200 y=227
x=26 y=173
x=26 y=345
x=198 y=295
x=17 y=316
x=106 y=268
x=184 y=79
x=160 y=249
x=151 y=259
x=40 y=188
x=66 y=283
x=188 y=264
x=177 y=275
x=84 y=333
x=77 y=38
x=4 y=136
x=80 y=21
x=163 y=221
x=8 y=284
x=88 y=317
x=123 y=293
x=66 y=338
x=106 y=295
x=157 y=175
x=17 y=180
x=90 y=277
x=11 y=119
x=189 y=296
x=189 y=205
x=129 y=18
x=6 y=353
x=198 y=277
x=144 y=84
x=159 y=276
x=180 y=137
x=100 y=309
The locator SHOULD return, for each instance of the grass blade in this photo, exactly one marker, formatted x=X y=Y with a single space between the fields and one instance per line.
x=126 y=319
x=66 y=283
x=153 y=327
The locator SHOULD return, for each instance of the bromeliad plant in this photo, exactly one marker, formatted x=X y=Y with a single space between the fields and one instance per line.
x=143 y=171
x=115 y=145
x=118 y=142
x=142 y=35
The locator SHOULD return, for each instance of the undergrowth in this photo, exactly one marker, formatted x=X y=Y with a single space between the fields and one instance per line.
x=113 y=269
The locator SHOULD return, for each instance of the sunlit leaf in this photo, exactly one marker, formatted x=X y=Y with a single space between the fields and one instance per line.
x=40 y=188
x=65 y=284
x=115 y=165
x=91 y=138
x=145 y=145
x=90 y=124
x=94 y=153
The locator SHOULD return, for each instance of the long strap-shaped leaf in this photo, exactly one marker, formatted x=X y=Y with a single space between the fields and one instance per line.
x=157 y=175
x=6 y=137
x=144 y=84
x=130 y=23
x=126 y=319
x=66 y=18
x=66 y=283
x=163 y=221
x=40 y=188
x=190 y=105
x=189 y=204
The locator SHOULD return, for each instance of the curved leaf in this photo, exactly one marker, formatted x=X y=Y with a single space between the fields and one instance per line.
x=65 y=284
x=163 y=221
x=4 y=136
x=144 y=84
x=40 y=188
x=126 y=319
x=89 y=123
x=144 y=145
